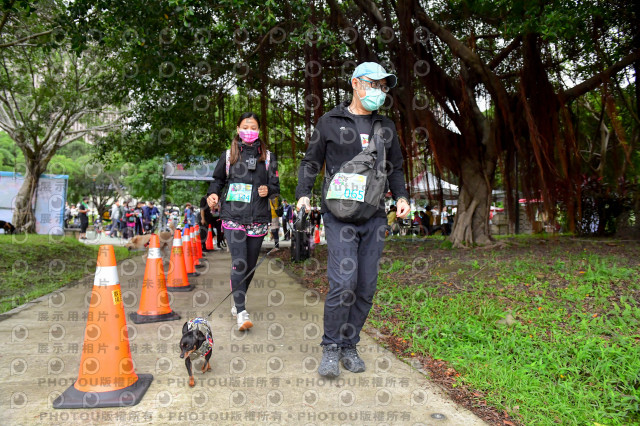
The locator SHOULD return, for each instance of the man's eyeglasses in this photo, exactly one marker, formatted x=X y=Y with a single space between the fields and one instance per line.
x=376 y=85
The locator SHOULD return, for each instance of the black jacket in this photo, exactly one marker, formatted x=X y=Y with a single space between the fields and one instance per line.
x=336 y=140
x=258 y=209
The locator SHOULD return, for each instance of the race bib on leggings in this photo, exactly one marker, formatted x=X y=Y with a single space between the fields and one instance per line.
x=239 y=192
x=347 y=186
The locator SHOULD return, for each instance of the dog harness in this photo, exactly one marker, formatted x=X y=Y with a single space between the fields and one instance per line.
x=203 y=326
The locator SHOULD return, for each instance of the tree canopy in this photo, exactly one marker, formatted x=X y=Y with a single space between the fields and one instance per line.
x=541 y=94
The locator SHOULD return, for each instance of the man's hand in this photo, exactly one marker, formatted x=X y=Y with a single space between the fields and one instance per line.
x=212 y=200
x=403 y=208
x=263 y=190
x=304 y=201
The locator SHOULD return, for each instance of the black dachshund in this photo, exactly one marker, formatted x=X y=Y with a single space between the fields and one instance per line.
x=8 y=227
x=197 y=342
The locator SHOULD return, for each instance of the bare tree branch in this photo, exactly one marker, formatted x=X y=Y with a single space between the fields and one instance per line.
x=23 y=39
x=515 y=43
x=593 y=82
x=473 y=61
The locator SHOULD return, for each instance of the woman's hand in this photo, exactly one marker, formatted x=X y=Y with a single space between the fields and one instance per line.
x=212 y=200
x=263 y=190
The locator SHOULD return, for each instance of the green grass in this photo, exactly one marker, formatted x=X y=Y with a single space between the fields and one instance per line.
x=34 y=265
x=572 y=357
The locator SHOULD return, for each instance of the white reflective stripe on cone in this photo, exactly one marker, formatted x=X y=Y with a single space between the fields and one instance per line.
x=154 y=253
x=106 y=275
x=177 y=242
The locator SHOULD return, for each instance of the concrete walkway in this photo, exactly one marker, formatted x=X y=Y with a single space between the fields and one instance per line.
x=267 y=375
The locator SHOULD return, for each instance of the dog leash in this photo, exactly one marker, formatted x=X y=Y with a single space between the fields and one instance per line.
x=248 y=274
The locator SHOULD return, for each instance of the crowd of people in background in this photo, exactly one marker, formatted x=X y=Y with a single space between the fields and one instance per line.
x=125 y=220
x=131 y=219
x=422 y=222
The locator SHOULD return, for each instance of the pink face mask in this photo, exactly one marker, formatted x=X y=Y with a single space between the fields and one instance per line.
x=248 y=136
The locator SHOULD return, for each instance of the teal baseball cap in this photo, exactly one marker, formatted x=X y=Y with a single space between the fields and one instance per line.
x=374 y=71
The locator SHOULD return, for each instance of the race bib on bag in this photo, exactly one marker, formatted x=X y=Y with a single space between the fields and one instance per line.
x=239 y=192
x=347 y=186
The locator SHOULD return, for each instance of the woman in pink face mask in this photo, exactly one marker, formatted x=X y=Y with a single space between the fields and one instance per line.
x=245 y=176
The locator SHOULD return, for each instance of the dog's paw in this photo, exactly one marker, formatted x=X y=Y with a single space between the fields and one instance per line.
x=206 y=367
x=192 y=382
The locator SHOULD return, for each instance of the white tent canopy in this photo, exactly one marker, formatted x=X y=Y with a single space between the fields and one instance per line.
x=427 y=184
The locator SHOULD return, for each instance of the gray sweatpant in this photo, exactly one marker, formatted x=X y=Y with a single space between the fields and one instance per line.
x=352 y=269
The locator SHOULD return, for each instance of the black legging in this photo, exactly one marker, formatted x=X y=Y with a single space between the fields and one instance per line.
x=219 y=232
x=84 y=224
x=244 y=256
x=204 y=233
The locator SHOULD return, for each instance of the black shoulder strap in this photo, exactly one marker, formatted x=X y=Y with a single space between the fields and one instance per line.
x=377 y=127
x=378 y=142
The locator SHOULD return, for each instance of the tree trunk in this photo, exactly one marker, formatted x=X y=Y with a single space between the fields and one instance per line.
x=471 y=225
x=24 y=218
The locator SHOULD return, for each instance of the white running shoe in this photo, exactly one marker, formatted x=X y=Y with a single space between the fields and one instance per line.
x=234 y=310
x=244 y=323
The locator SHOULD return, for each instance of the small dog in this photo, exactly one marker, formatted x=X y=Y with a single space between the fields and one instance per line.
x=196 y=342
x=8 y=227
x=140 y=242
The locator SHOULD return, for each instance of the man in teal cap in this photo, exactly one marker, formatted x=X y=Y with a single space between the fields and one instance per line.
x=354 y=249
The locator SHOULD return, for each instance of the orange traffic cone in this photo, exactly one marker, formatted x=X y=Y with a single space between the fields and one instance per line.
x=106 y=377
x=188 y=253
x=199 y=242
x=154 y=301
x=177 y=279
x=316 y=237
x=209 y=243
x=194 y=246
x=197 y=246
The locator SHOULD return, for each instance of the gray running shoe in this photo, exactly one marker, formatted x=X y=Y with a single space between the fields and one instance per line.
x=330 y=359
x=351 y=360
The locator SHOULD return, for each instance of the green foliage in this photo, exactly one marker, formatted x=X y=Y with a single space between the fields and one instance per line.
x=10 y=154
x=188 y=69
x=40 y=264
x=570 y=357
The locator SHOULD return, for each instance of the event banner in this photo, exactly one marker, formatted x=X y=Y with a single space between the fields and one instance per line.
x=49 y=200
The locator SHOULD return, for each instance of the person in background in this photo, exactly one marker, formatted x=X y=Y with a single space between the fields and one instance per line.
x=220 y=240
x=287 y=216
x=416 y=223
x=315 y=218
x=206 y=219
x=275 y=223
x=189 y=217
x=154 y=214
x=83 y=210
x=130 y=219
x=425 y=219
x=139 y=228
x=428 y=219
x=116 y=218
x=146 y=217
x=67 y=214
x=392 y=221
